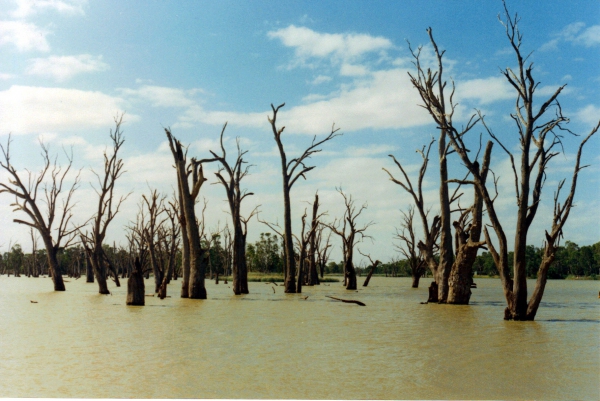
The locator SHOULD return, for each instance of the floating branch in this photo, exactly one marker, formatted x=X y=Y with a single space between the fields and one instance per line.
x=348 y=301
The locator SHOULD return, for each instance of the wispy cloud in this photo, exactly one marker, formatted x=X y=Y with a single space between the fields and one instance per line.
x=62 y=68
x=23 y=35
x=340 y=49
x=575 y=33
x=26 y=8
x=160 y=96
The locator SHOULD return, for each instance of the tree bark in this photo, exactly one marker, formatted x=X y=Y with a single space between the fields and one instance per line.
x=135 y=286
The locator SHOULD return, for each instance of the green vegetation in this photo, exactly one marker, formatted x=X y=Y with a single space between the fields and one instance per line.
x=572 y=261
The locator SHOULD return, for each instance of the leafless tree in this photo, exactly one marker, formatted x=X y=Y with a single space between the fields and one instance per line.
x=431 y=231
x=153 y=232
x=408 y=246
x=50 y=184
x=305 y=266
x=374 y=264
x=291 y=171
x=313 y=275
x=350 y=233
x=231 y=177
x=108 y=207
x=194 y=286
x=538 y=137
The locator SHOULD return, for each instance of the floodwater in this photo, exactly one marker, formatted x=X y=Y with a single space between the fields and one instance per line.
x=271 y=345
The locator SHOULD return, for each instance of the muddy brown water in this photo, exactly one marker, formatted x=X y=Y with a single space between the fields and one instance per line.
x=273 y=345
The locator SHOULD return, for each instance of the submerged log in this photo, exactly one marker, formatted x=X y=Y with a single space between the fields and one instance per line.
x=349 y=301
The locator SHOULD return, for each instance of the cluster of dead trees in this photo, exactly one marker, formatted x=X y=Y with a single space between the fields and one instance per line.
x=446 y=245
x=540 y=127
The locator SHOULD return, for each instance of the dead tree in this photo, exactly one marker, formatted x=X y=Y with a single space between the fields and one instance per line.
x=467 y=233
x=322 y=249
x=138 y=254
x=231 y=177
x=408 y=247
x=374 y=264
x=152 y=232
x=313 y=275
x=291 y=171
x=50 y=183
x=107 y=208
x=195 y=287
x=350 y=233
x=173 y=236
x=538 y=136
x=428 y=247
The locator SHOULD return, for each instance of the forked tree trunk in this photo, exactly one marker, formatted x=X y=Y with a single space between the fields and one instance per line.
x=468 y=243
x=198 y=257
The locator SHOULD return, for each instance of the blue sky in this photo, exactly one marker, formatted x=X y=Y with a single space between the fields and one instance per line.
x=68 y=66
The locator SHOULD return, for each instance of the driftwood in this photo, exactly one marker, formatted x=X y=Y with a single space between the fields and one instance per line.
x=349 y=301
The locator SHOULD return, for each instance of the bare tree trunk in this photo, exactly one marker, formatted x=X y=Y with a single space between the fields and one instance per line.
x=198 y=257
x=135 y=286
x=313 y=275
x=373 y=267
x=415 y=280
x=290 y=173
x=468 y=243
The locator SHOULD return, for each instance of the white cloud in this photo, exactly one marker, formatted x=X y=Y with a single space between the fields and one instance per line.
x=23 y=35
x=160 y=96
x=385 y=100
x=4 y=76
x=338 y=48
x=320 y=79
x=28 y=109
x=353 y=70
x=589 y=115
x=590 y=36
x=575 y=33
x=485 y=91
x=64 y=67
x=26 y=8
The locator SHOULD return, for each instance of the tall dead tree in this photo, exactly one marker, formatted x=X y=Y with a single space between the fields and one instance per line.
x=231 y=177
x=538 y=135
x=291 y=171
x=49 y=182
x=107 y=208
x=350 y=233
x=198 y=255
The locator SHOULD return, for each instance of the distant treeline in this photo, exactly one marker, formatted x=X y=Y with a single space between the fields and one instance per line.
x=266 y=256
